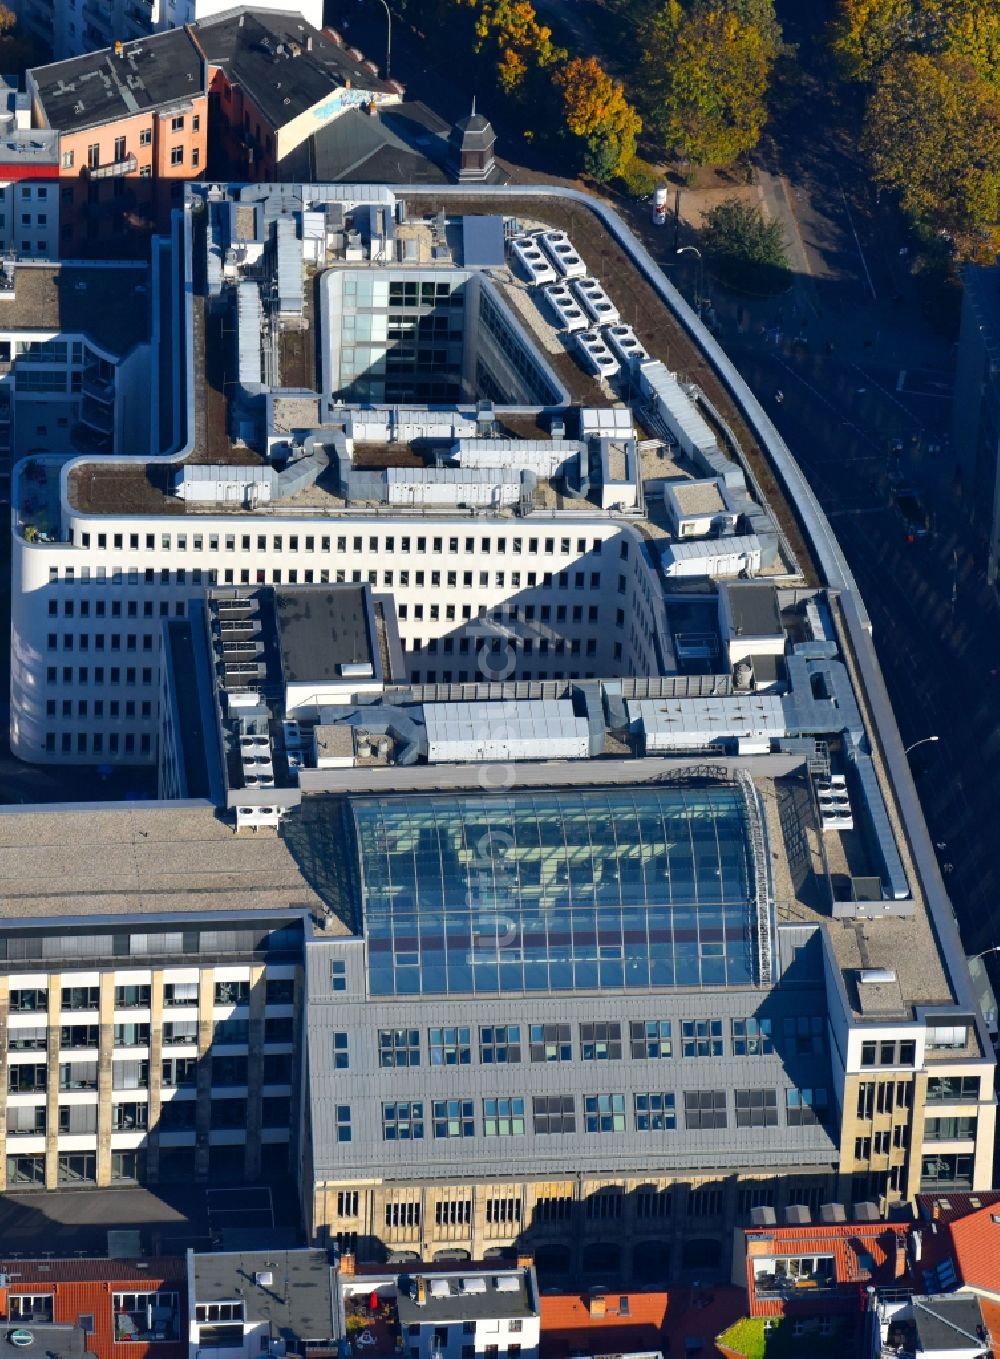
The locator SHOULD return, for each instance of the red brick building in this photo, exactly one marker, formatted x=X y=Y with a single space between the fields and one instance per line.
x=125 y=1309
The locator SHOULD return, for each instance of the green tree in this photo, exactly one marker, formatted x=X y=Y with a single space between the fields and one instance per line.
x=868 y=33
x=508 y=32
x=746 y=249
x=932 y=135
x=600 y=122
x=706 y=74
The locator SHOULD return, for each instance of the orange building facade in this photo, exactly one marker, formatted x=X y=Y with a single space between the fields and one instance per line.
x=125 y=1311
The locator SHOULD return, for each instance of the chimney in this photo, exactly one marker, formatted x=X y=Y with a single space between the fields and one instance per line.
x=242 y=17
x=597 y=1305
x=348 y=1264
x=936 y=1210
x=525 y=1261
x=309 y=43
x=900 y=1267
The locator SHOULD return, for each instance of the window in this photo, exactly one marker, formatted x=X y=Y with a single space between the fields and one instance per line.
x=341 y=1052
x=942 y=1088
x=30 y=1306
x=403 y=1121
x=454 y=1118
x=120 y=148
x=756 y=1108
x=705 y=1109
x=550 y=1043
x=145 y=136
x=958 y=1128
x=500 y=1044
x=398 y=1047
x=67 y=160
x=604 y=1113
x=503 y=1117
x=702 y=1037
x=131 y=997
x=553 y=1114
x=450 y=1047
x=177 y=123
x=232 y=993
x=453 y=1213
x=503 y=1210
x=600 y=1042
x=805 y=1106
x=81 y=997
x=655 y=1112
x=938 y=1171
x=751 y=1037
x=195 y=157
x=177 y=155
x=651 y=1038
x=804 y=1034
x=347 y=1203
x=704 y=1202
x=219 y=1311
x=403 y=1214
x=606 y=1204
x=944 y=1037
x=338 y=975
x=342 y=1119
x=145 y=1316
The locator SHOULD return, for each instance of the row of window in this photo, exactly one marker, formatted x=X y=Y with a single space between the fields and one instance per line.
x=653 y=1111
x=277 y=991
x=72 y=1168
x=596 y=1041
x=133 y=1116
x=381 y=547
x=605 y=1204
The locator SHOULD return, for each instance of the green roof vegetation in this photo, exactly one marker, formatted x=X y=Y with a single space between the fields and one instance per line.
x=775 y=1338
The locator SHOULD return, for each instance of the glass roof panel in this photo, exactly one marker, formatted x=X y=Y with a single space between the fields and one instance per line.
x=549 y=891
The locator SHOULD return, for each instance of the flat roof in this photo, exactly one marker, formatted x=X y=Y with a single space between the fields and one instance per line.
x=108 y=303
x=296 y=1299
x=474 y=1295
x=159 y=859
x=99 y=87
x=753 y=609
x=283 y=63
x=322 y=628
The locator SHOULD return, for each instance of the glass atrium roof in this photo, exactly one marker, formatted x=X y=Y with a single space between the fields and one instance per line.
x=557 y=891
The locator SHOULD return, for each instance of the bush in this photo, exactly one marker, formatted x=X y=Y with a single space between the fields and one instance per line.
x=636 y=178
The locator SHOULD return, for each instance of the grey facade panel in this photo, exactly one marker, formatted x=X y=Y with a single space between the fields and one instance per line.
x=365 y=1086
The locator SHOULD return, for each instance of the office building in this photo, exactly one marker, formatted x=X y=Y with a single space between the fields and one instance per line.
x=607 y=907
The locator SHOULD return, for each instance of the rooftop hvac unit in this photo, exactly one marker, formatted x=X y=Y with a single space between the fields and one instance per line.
x=264 y=1278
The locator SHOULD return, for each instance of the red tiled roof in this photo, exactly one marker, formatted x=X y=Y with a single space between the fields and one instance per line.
x=991 y=1316
x=976 y=1244
x=659 y=1321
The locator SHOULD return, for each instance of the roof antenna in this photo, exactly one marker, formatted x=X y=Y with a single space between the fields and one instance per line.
x=473 y=106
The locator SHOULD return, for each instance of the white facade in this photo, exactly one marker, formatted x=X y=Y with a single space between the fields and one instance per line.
x=29 y=217
x=573 y=596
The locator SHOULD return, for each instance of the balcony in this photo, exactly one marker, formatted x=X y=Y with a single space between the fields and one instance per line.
x=114 y=169
x=97 y=417
x=98 y=385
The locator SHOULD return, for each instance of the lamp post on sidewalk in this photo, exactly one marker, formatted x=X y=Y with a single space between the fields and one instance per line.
x=922 y=742
x=700 y=276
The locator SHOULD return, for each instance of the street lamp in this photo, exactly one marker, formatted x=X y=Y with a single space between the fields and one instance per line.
x=922 y=742
x=699 y=286
x=388 y=38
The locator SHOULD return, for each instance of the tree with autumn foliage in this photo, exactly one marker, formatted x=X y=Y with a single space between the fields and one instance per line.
x=706 y=71
x=866 y=34
x=933 y=136
x=508 y=34
x=599 y=122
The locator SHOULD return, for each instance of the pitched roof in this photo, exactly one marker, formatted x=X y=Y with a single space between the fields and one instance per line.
x=99 y=87
x=976 y=1243
x=91 y=1270
x=283 y=63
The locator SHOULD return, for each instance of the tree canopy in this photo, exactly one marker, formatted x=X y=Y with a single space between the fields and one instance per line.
x=932 y=134
x=597 y=116
x=747 y=249
x=706 y=71
x=869 y=33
